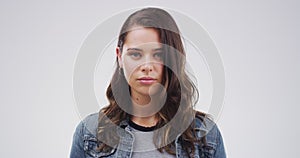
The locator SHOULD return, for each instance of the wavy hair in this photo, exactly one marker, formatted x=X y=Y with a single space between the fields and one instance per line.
x=181 y=93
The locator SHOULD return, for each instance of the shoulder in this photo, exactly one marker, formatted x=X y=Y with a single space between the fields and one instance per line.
x=85 y=138
x=206 y=127
x=88 y=125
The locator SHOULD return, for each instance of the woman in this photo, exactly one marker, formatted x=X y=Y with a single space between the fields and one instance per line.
x=151 y=99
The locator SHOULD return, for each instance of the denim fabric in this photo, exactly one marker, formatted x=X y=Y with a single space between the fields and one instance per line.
x=85 y=141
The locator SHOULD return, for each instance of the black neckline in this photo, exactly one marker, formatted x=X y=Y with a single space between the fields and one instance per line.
x=141 y=128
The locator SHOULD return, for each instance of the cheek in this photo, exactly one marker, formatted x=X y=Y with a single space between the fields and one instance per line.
x=160 y=70
x=129 y=69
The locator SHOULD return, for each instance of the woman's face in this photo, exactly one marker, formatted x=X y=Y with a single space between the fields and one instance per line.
x=141 y=60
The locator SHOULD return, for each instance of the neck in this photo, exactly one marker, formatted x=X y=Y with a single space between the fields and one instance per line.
x=145 y=121
x=141 y=99
x=147 y=111
x=145 y=108
x=144 y=111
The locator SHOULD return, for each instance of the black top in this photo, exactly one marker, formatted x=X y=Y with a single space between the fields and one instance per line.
x=140 y=128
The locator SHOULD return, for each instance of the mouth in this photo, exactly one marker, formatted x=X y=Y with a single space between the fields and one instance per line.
x=146 y=80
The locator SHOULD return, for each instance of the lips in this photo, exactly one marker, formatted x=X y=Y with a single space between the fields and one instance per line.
x=146 y=80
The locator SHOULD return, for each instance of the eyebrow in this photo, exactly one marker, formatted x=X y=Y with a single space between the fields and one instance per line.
x=138 y=49
x=157 y=49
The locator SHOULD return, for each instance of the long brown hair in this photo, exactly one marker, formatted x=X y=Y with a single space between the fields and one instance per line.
x=181 y=91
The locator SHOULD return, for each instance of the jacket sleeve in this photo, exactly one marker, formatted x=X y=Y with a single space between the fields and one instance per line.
x=77 y=144
x=220 y=150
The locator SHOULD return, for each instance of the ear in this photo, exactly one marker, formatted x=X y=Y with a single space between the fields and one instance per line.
x=119 y=56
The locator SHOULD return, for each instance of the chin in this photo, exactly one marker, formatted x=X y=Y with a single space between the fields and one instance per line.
x=151 y=91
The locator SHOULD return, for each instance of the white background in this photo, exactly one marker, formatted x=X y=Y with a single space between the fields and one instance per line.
x=258 y=42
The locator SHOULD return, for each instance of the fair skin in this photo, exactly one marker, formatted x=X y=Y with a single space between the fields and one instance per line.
x=141 y=60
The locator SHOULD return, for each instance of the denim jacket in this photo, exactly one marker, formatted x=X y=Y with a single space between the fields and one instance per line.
x=85 y=141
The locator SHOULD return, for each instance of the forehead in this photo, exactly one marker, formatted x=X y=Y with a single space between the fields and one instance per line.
x=142 y=36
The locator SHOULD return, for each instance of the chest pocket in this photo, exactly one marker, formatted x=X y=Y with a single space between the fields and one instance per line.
x=90 y=148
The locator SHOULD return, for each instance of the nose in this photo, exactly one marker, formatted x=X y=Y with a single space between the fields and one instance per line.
x=148 y=64
x=147 y=67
